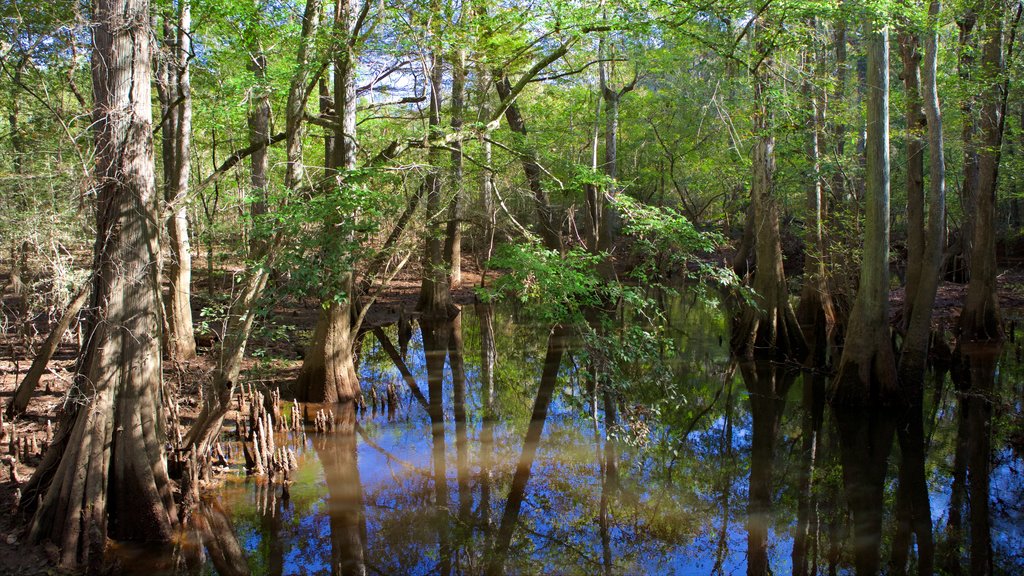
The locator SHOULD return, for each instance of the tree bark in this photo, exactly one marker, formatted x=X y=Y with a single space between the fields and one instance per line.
x=867 y=369
x=915 y=118
x=815 y=312
x=914 y=355
x=453 y=233
x=258 y=120
x=28 y=385
x=435 y=298
x=328 y=372
x=967 y=47
x=176 y=133
x=770 y=328
x=112 y=473
x=980 y=319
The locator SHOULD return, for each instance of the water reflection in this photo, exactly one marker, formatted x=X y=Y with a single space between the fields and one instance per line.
x=337 y=454
x=513 y=452
x=767 y=383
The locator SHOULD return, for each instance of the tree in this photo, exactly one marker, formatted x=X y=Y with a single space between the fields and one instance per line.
x=175 y=91
x=918 y=303
x=107 y=474
x=815 y=311
x=328 y=372
x=980 y=319
x=770 y=326
x=435 y=296
x=867 y=369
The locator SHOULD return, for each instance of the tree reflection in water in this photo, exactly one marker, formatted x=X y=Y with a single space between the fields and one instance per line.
x=719 y=468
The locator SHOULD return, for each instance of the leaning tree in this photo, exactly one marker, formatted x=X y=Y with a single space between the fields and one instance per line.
x=107 y=473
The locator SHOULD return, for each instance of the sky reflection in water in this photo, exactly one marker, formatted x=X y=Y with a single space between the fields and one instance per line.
x=751 y=469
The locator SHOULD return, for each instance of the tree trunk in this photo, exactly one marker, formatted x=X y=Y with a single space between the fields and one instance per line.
x=258 y=120
x=603 y=211
x=980 y=319
x=967 y=48
x=453 y=234
x=297 y=96
x=771 y=328
x=915 y=119
x=914 y=355
x=867 y=369
x=549 y=230
x=435 y=298
x=28 y=385
x=815 y=313
x=177 y=151
x=112 y=473
x=328 y=372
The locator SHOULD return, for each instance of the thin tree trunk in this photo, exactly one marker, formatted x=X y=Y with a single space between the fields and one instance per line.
x=815 y=312
x=177 y=143
x=911 y=75
x=258 y=120
x=453 y=234
x=112 y=474
x=549 y=230
x=28 y=385
x=967 y=47
x=435 y=297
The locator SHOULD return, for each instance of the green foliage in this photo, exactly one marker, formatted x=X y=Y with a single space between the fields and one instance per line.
x=556 y=287
x=329 y=234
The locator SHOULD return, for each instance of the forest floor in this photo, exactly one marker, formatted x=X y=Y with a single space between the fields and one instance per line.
x=280 y=351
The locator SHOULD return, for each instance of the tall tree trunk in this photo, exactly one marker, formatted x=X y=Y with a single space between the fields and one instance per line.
x=911 y=75
x=914 y=354
x=258 y=120
x=771 y=327
x=967 y=47
x=328 y=372
x=112 y=473
x=603 y=211
x=867 y=370
x=815 y=312
x=980 y=319
x=177 y=152
x=453 y=234
x=435 y=297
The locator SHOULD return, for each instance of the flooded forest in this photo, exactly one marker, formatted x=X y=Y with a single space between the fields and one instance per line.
x=487 y=287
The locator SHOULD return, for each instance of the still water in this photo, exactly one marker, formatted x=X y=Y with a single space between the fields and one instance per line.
x=526 y=449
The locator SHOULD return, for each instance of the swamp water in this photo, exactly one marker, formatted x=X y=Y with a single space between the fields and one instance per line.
x=683 y=463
